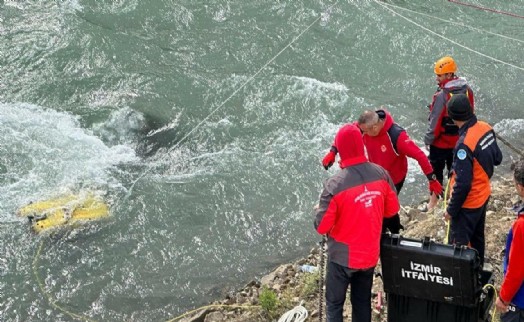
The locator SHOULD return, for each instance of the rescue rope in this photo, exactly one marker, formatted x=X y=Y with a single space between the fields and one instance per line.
x=509 y=145
x=47 y=295
x=454 y=22
x=446 y=38
x=486 y=9
x=446 y=241
x=80 y=317
x=148 y=169
x=495 y=299
x=231 y=306
x=297 y=314
x=321 y=277
x=445 y=206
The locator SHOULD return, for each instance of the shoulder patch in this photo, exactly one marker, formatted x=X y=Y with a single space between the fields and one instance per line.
x=461 y=154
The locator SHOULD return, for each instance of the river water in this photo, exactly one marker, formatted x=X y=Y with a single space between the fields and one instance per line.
x=202 y=125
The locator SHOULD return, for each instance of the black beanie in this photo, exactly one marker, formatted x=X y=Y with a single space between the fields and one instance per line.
x=459 y=108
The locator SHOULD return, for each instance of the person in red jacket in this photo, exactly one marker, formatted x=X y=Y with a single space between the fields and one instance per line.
x=511 y=297
x=350 y=212
x=442 y=134
x=388 y=145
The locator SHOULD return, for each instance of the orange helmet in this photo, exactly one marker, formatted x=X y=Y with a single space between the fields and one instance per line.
x=445 y=65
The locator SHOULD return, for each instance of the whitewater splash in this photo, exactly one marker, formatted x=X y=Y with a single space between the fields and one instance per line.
x=45 y=152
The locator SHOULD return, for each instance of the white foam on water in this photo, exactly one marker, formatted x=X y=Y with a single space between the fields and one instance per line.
x=71 y=4
x=122 y=127
x=45 y=153
x=510 y=128
x=182 y=15
x=222 y=14
x=510 y=133
x=312 y=83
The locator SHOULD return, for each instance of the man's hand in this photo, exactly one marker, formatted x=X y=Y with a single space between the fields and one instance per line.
x=393 y=224
x=447 y=216
x=434 y=186
x=501 y=307
x=329 y=158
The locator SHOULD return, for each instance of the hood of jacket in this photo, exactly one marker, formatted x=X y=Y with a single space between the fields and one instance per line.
x=350 y=146
x=388 y=121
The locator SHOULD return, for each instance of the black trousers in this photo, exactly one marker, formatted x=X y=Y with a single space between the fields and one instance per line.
x=440 y=159
x=513 y=315
x=338 y=278
x=467 y=228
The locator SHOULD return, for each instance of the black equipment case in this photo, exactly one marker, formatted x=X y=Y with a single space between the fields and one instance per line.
x=427 y=281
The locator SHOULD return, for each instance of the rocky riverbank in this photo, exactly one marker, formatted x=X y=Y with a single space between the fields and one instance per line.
x=267 y=298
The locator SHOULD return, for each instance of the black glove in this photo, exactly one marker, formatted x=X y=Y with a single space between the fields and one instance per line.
x=392 y=224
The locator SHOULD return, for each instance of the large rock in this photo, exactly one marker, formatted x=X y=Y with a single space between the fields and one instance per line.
x=215 y=317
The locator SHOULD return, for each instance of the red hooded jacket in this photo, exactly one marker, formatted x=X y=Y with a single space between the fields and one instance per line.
x=391 y=147
x=353 y=203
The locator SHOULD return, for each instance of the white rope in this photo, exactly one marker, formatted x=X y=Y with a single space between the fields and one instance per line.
x=450 y=40
x=454 y=22
x=296 y=314
x=148 y=169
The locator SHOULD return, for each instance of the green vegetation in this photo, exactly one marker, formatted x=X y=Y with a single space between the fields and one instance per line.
x=268 y=301
x=273 y=305
x=309 y=284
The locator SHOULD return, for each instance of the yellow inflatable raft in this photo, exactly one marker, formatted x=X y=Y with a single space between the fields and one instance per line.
x=62 y=211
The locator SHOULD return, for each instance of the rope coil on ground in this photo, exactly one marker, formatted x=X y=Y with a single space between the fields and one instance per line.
x=296 y=314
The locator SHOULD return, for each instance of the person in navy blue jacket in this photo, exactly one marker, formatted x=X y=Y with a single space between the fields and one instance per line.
x=475 y=157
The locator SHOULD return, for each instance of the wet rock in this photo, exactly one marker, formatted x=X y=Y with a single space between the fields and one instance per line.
x=281 y=271
x=240 y=299
x=198 y=317
x=251 y=283
x=302 y=261
x=268 y=279
x=214 y=317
